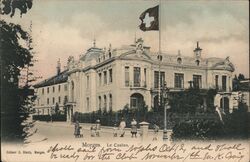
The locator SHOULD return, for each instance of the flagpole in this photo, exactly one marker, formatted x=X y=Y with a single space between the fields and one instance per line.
x=159 y=58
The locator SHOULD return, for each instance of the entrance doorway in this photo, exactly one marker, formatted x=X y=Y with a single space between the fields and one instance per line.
x=224 y=104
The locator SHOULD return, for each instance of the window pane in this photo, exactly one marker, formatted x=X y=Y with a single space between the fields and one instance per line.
x=110 y=76
x=197 y=81
x=126 y=76
x=100 y=79
x=105 y=77
x=156 y=79
x=216 y=81
x=179 y=80
x=137 y=76
x=224 y=83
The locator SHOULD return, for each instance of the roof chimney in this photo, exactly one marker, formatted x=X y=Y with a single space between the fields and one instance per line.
x=58 y=68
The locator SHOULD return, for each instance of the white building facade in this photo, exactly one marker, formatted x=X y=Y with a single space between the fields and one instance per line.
x=109 y=79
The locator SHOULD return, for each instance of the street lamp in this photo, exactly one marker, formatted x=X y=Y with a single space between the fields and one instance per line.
x=165 y=92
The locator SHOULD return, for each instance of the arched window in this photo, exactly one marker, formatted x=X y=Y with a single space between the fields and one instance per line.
x=136 y=101
x=105 y=103
x=110 y=102
x=100 y=102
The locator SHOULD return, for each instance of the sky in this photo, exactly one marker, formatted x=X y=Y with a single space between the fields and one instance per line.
x=63 y=28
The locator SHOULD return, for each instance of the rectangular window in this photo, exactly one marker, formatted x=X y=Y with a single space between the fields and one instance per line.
x=156 y=79
x=65 y=87
x=133 y=102
x=110 y=76
x=53 y=100
x=137 y=77
x=42 y=91
x=224 y=83
x=217 y=82
x=145 y=77
x=59 y=88
x=48 y=90
x=100 y=79
x=197 y=81
x=53 y=89
x=105 y=77
x=126 y=76
x=87 y=82
x=179 y=80
x=47 y=101
x=88 y=104
x=59 y=99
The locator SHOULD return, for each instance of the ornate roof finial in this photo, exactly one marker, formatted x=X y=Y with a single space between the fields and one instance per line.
x=94 y=42
x=179 y=52
x=135 y=37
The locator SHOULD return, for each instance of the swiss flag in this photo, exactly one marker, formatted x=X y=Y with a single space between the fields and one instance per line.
x=150 y=19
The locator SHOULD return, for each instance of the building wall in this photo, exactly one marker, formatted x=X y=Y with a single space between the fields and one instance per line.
x=85 y=86
x=41 y=102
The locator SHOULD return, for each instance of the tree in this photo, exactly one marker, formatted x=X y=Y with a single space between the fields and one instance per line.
x=241 y=77
x=10 y=6
x=15 y=101
x=236 y=81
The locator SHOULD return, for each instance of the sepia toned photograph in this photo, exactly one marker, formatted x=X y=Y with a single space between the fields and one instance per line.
x=132 y=80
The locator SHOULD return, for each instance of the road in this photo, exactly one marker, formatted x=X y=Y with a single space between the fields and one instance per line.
x=63 y=131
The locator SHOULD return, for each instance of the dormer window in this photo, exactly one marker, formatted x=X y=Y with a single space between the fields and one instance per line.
x=179 y=60
x=197 y=62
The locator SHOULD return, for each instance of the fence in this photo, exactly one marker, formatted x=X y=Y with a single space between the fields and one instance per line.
x=54 y=117
x=111 y=118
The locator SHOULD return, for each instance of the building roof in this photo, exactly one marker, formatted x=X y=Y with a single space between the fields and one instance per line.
x=92 y=53
x=244 y=85
x=57 y=79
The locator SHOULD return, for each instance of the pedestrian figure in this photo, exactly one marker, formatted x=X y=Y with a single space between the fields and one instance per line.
x=93 y=130
x=98 y=127
x=77 y=132
x=115 y=131
x=122 y=127
x=156 y=130
x=133 y=128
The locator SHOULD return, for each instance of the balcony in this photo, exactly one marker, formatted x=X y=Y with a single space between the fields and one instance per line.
x=139 y=85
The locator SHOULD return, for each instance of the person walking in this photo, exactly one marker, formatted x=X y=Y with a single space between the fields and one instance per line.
x=122 y=127
x=115 y=131
x=156 y=130
x=77 y=129
x=133 y=128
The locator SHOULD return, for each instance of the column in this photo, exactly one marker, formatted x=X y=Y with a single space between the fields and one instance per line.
x=142 y=76
x=131 y=76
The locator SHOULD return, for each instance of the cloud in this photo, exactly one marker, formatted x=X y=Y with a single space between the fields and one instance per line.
x=219 y=34
x=222 y=29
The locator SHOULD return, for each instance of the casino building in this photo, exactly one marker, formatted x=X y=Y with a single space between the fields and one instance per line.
x=110 y=78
